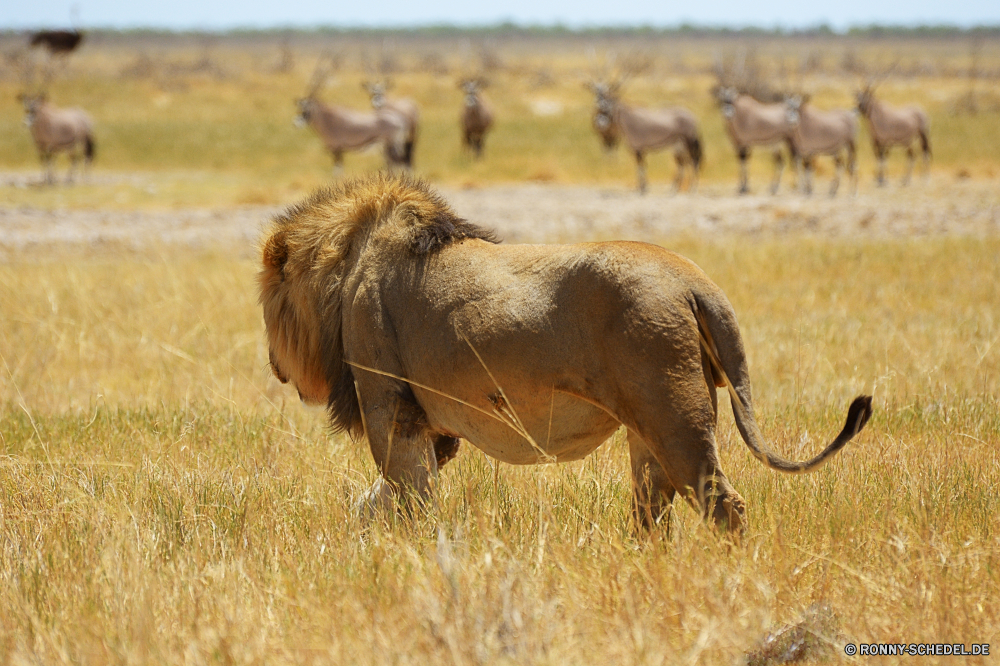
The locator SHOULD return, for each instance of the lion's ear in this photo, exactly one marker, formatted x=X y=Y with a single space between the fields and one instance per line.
x=276 y=252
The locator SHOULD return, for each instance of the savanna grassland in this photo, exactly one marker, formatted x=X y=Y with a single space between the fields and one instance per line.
x=207 y=121
x=163 y=500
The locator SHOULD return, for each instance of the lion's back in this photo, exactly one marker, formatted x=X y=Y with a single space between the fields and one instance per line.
x=548 y=291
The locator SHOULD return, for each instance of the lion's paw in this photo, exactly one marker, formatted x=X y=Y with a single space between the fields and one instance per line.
x=375 y=500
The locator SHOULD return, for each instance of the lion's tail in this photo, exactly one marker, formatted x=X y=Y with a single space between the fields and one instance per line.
x=729 y=369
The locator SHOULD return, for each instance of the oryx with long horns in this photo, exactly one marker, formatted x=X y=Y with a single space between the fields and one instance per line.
x=58 y=130
x=894 y=126
x=55 y=129
x=404 y=107
x=750 y=123
x=645 y=130
x=342 y=129
x=477 y=114
x=816 y=132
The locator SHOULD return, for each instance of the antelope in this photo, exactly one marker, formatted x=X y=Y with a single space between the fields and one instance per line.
x=477 y=115
x=893 y=126
x=816 y=132
x=404 y=107
x=58 y=130
x=647 y=129
x=342 y=129
x=751 y=123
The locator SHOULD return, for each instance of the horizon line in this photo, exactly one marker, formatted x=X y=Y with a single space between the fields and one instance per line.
x=822 y=27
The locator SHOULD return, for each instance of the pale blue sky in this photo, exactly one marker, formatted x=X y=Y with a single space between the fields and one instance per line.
x=224 y=14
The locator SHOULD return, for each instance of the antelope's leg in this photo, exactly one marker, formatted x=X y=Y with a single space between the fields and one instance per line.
x=679 y=178
x=744 y=155
x=911 y=158
x=839 y=167
x=807 y=178
x=798 y=166
x=640 y=165
x=779 y=168
x=50 y=174
x=880 y=156
x=73 y=158
x=852 y=166
x=338 y=163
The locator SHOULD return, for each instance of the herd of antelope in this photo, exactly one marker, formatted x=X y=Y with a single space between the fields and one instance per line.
x=793 y=125
x=393 y=121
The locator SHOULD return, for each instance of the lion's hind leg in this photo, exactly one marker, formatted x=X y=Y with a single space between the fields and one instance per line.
x=677 y=428
x=693 y=470
x=652 y=492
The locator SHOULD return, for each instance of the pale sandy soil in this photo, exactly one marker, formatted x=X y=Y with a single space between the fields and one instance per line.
x=549 y=213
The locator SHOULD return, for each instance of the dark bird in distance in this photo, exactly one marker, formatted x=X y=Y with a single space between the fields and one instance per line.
x=57 y=41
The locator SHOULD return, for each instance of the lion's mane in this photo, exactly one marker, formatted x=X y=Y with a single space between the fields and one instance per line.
x=310 y=248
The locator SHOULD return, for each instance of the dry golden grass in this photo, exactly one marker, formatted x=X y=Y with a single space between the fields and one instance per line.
x=162 y=502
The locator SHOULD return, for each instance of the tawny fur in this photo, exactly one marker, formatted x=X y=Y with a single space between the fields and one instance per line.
x=417 y=328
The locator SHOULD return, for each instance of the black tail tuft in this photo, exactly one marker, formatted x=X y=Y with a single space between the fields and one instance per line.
x=88 y=148
x=857 y=416
x=694 y=148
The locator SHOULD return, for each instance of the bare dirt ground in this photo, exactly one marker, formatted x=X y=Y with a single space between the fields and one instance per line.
x=551 y=213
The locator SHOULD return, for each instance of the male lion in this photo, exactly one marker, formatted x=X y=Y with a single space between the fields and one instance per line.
x=417 y=328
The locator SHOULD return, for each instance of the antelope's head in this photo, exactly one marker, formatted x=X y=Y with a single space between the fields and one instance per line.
x=471 y=88
x=308 y=105
x=605 y=101
x=376 y=91
x=865 y=97
x=793 y=107
x=307 y=108
x=32 y=104
x=726 y=97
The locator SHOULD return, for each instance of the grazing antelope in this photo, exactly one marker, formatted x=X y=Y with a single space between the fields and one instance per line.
x=404 y=107
x=816 y=132
x=343 y=129
x=751 y=123
x=58 y=130
x=893 y=126
x=649 y=129
x=477 y=115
